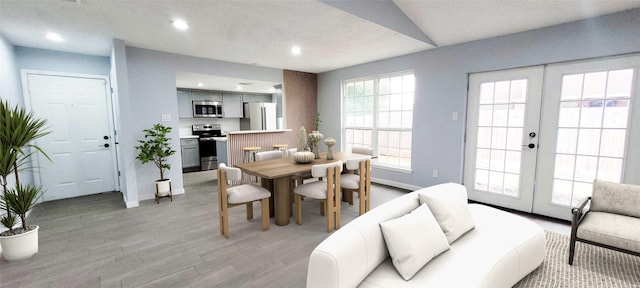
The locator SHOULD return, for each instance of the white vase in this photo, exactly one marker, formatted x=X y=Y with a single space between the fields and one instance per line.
x=302 y=139
x=316 y=137
x=21 y=246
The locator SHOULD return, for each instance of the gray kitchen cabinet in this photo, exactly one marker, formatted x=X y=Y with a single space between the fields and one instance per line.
x=190 y=154
x=206 y=96
x=256 y=98
x=184 y=104
x=232 y=105
x=221 y=148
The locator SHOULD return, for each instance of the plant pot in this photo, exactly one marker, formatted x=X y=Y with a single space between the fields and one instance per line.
x=21 y=246
x=163 y=189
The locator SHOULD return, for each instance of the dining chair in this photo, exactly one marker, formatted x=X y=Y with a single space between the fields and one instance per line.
x=327 y=191
x=266 y=155
x=358 y=181
x=238 y=195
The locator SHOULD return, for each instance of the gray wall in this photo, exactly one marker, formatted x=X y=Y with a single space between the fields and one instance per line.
x=49 y=60
x=152 y=92
x=441 y=84
x=10 y=77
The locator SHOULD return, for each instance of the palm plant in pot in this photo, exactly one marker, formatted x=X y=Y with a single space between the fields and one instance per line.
x=155 y=147
x=17 y=130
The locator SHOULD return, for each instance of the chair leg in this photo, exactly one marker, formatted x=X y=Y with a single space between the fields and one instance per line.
x=350 y=197
x=298 y=209
x=362 y=201
x=322 y=209
x=224 y=223
x=249 y=210
x=265 y=214
x=330 y=217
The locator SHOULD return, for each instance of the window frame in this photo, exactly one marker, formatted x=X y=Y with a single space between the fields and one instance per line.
x=375 y=129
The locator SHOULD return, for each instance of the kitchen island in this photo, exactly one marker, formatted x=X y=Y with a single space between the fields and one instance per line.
x=236 y=140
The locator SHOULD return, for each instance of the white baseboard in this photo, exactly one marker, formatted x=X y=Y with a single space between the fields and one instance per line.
x=396 y=184
x=131 y=204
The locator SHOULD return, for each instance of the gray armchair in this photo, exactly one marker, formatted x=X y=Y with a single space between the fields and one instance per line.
x=612 y=219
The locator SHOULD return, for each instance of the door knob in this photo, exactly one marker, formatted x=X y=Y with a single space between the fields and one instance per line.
x=532 y=134
x=105 y=137
x=106 y=145
x=530 y=145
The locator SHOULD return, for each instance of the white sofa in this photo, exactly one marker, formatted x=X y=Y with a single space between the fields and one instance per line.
x=498 y=252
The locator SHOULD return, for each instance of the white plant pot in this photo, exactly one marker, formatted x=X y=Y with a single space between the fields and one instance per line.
x=22 y=246
x=163 y=187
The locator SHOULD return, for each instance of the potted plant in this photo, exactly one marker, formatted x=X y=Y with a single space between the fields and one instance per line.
x=17 y=129
x=155 y=147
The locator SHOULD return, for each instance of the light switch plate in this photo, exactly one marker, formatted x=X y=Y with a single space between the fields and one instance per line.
x=454 y=116
x=166 y=117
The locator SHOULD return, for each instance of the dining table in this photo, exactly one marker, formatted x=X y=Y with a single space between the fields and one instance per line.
x=276 y=173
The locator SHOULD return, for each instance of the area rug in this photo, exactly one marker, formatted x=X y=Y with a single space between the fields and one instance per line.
x=593 y=266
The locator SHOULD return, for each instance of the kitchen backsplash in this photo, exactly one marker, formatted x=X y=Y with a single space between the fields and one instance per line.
x=226 y=124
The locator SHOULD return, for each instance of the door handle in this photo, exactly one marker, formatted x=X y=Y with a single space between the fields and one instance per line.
x=530 y=145
x=106 y=145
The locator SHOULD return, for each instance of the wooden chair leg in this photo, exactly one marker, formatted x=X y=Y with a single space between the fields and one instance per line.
x=350 y=197
x=330 y=217
x=298 y=209
x=224 y=223
x=322 y=210
x=265 y=214
x=337 y=212
x=249 y=210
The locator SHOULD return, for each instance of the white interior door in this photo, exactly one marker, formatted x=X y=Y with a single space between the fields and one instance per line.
x=592 y=132
x=502 y=121
x=80 y=144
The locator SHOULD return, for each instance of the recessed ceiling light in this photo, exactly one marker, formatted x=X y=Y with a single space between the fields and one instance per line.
x=238 y=87
x=180 y=24
x=200 y=84
x=54 y=37
x=295 y=50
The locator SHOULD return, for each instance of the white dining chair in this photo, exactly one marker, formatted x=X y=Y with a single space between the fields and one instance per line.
x=327 y=191
x=358 y=179
x=266 y=155
x=238 y=195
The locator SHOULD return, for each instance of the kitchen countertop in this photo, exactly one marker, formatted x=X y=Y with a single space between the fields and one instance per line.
x=257 y=131
x=188 y=136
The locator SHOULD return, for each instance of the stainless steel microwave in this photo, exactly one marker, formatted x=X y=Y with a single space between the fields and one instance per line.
x=207 y=109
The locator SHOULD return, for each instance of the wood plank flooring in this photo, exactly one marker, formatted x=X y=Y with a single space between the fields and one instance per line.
x=94 y=241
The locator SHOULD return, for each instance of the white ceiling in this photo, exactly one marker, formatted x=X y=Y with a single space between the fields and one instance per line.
x=261 y=33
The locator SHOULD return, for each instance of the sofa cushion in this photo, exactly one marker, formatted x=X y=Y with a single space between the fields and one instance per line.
x=413 y=240
x=615 y=198
x=611 y=229
x=449 y=206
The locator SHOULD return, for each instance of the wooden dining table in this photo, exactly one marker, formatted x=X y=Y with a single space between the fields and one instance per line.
x=276 y=175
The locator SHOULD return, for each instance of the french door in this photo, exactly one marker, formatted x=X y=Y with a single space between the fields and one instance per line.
x=577 y=127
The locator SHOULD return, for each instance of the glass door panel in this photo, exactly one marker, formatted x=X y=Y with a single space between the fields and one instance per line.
x=499 y=165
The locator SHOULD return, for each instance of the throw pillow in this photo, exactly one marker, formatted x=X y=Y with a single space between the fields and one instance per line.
x=413 y=240
x=450 y=208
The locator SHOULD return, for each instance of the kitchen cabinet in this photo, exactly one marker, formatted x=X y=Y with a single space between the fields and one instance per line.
x=232 y=105
x=190 y=154
x=206 y=96
x=184 y=104
x=221 y=147
x=256 y=98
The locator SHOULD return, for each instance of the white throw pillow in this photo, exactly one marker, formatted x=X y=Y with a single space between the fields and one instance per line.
x=413 y=240
x=451 y=210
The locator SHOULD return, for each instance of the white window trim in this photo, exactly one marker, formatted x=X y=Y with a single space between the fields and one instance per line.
x=375 y=129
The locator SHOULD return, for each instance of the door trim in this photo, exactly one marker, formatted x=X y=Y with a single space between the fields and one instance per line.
x=24 y=73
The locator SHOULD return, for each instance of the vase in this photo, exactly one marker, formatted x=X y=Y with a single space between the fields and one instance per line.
x=330 y=142
x=302 y=139
x=303 y=157
x=314 y=138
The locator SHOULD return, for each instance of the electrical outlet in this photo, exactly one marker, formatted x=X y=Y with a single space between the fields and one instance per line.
x=435 y=174
x=166 y=117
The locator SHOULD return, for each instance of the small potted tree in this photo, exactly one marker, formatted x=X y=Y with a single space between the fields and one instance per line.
x=155 y=147
x=17 y=130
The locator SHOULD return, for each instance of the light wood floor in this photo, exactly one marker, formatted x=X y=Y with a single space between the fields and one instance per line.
x=94 y=241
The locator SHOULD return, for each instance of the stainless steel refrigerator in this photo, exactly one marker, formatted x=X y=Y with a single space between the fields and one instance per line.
x=259 y=116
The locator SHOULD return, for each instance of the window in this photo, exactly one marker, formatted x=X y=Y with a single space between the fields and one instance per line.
x=378 y=112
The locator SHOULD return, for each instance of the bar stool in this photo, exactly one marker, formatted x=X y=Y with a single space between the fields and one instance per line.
x=250 y=156
x=281 y=147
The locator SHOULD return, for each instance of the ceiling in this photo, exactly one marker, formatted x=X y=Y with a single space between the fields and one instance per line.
x=331 y=34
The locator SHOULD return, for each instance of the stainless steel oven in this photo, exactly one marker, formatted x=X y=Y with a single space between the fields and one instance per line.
x=206 y=136
x=207 y=109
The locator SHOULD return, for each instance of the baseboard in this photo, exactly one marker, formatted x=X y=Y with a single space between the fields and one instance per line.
x=131 y=204
x=395 y=184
